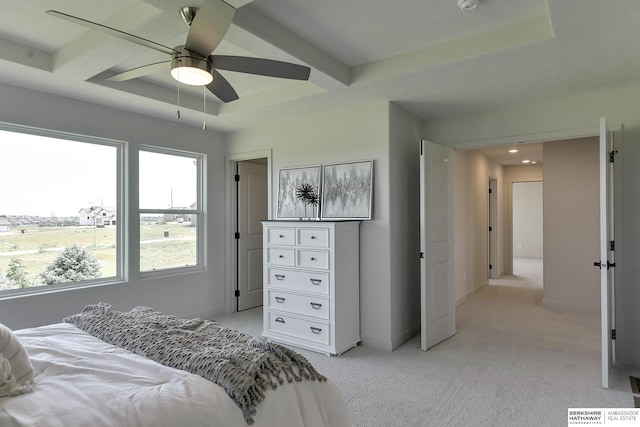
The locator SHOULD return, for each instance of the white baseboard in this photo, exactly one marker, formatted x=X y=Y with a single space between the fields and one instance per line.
x=471 y=293
x=209 y=314
x=570 y=307
x=377 y=343
x=406 y=336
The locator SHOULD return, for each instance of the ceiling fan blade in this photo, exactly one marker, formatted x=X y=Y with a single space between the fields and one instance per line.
x=144 y=70
x=113 y=32
x=260 y=66
x=209 y=26
x=221 y=88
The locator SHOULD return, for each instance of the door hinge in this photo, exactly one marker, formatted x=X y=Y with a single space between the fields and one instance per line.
x=612 y=156
x=237 y=293
x=490 y=191
x=237 y=235
x=421 y=254
x=612 y=245
x=237 y=178
x=613 y=334
x=490 y=266
x=608 y=264
x=490 y=228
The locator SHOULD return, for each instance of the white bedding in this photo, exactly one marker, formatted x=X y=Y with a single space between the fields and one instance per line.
x=82 y=381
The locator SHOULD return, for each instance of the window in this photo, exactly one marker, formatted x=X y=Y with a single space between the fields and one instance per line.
x=59 y=210
x=170 y=210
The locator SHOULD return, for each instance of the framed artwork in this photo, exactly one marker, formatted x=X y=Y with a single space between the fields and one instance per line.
x=347 y=190
x=299 y=193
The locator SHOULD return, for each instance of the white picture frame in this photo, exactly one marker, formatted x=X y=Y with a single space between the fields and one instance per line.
x=347 y=191
x=290 y=182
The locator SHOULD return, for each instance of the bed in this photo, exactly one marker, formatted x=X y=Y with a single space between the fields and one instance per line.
x=80 y=379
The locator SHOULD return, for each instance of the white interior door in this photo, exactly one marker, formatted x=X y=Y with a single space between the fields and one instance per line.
x=252 y=208
x=438 y=313
x=607 y=262
x=493 y=228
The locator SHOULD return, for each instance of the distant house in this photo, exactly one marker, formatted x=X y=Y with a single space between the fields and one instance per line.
x=97 y=216
x=4 y=225
x=181 y=218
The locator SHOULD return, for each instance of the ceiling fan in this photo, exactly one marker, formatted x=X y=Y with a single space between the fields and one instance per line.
x=193 y=63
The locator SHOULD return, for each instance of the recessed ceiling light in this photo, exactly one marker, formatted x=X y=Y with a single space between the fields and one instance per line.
x=526 y=161
x=513 y=150
x=534 y=162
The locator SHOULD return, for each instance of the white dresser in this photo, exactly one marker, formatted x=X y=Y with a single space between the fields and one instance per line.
x=312 y=284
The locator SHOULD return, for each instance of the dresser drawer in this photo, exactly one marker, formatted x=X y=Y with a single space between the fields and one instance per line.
x=308 y=258
x=314 y=306
x=297 y=327
x=281 y=236
x=313 y=237
x=280 y=256
x=299 y=280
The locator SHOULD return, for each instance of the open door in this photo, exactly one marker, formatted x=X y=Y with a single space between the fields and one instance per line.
x=252 y=208
x=493 y=229
x=606 y=263
x=437 y=293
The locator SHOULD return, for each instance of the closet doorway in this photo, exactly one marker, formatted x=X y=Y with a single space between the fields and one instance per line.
x=527 y=234
x=249 y=183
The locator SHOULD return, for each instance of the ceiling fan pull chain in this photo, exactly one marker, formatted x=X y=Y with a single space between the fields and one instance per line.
x=204 y=108
x=178 y=100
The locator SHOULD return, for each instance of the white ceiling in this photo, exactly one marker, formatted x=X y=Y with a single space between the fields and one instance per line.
x=426 y=55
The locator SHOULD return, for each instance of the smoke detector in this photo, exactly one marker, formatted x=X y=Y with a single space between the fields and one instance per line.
x=466 y=5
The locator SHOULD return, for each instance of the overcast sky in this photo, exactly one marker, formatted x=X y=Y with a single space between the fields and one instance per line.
x=45 y=177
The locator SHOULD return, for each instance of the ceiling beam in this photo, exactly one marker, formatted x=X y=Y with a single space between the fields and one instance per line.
x=495 y=40
x=94 y=52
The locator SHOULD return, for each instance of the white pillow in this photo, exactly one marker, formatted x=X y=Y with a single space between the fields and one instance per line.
x=16 y=372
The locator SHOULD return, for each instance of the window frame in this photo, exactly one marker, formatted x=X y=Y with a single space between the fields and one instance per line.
x=121 y=223
x=199 y=212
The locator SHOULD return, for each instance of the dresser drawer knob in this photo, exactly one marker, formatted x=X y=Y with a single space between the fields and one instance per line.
x=281 y=236
x=315 y=305
x=315 y=330
x=279 y=276
x=313 y=237
x=280 y=299
x=315 y=281
x=280 y=256
x=280 y=320
x=313 y=258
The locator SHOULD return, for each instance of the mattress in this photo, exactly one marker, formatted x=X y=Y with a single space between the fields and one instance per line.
x=81 y=380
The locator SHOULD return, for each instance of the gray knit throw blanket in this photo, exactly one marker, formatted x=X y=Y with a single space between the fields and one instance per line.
x=243 y=365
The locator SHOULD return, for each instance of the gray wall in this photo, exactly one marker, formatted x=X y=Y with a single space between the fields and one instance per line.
x=389 y=281
x=569 y=117
x=404 y=157
x=195 y=294
x=571 y=225
x=472 y=170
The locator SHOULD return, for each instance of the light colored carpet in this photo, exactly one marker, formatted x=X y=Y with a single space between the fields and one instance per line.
x=511 y=363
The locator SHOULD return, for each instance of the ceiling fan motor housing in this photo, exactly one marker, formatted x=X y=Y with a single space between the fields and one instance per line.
x=190 y=67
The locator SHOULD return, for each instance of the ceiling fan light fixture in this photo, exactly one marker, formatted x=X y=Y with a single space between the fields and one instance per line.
x=191 y=69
